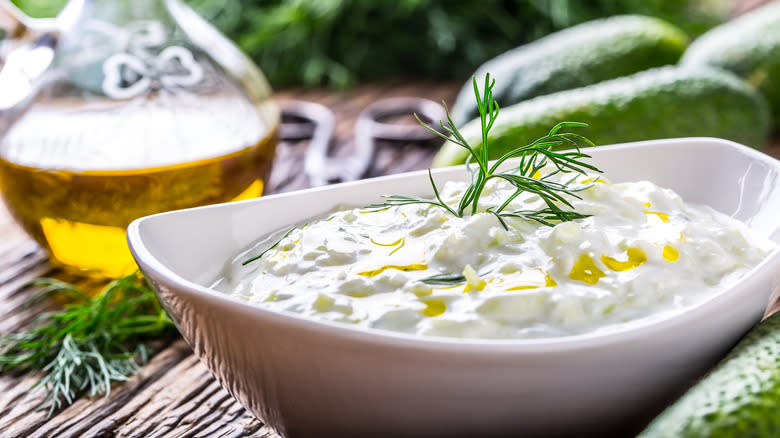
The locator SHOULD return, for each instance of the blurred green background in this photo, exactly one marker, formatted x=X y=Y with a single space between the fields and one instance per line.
x=338 y=43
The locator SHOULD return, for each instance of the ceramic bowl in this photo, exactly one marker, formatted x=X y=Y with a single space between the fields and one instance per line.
x=314 y=378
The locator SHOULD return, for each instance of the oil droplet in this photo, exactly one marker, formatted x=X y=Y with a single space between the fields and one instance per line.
x=647 y=204
x=670 y=254
x=523 y=287
x=402 y=242
x=636 y=257
x=664 y=217
x=406 y=268
x=548 y=282
x=434 y=308
x=387 y=244
x=586 y=271
x=478 y=286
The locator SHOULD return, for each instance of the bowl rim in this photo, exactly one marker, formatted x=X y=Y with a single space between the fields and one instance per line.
x=619 y=333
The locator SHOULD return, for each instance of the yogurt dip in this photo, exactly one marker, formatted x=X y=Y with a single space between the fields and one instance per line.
x=418 y=269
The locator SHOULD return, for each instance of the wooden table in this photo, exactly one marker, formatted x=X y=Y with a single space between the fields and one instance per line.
x=175 y=396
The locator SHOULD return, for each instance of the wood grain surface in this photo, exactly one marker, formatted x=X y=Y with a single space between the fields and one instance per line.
x=175 y=396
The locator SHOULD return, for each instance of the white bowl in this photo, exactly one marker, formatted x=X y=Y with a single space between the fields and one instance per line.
x=315 y=378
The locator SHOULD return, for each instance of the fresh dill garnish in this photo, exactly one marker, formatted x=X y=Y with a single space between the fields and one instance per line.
x=528 y=177
x=90 y=343
x=246 y=262
x=444 y=279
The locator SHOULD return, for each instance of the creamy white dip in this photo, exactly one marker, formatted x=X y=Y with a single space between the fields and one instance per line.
x=641 y=252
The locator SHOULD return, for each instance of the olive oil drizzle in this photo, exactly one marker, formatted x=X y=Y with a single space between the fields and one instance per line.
x=636 y=257
x=548 y=282
x=670 y=253
x=434 y=308
x=663 y=216
x=400 y=242
x=405 y=268
x=586 y=271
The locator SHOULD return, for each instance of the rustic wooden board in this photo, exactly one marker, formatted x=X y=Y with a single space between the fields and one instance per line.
x=175 y=396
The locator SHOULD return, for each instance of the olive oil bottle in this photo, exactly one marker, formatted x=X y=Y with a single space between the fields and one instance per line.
x=144 y=109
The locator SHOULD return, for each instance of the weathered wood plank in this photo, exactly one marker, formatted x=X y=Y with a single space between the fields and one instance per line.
x=85 y=413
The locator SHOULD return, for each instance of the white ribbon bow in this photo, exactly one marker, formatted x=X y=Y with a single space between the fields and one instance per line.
x=127 y=75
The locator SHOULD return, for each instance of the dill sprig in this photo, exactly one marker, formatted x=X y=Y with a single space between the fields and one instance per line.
x=539 y=163
x=274 y=245
x=90 y=343
x=540 y=156
x=444 y=279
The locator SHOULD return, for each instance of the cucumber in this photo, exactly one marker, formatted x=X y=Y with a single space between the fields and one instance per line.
x=738 y=399
x=660 y=103
x=748 y=46
x=581 y=55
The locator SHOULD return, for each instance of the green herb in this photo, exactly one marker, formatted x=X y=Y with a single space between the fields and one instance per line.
x=393 y=200
x=91 y=343
x=538 y=157
x=273 y=246
x=444 y=279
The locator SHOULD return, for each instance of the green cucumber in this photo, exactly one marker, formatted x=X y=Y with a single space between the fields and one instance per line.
x=581 y=55
x=659 y=103
x=739 y=399
x=748 y=46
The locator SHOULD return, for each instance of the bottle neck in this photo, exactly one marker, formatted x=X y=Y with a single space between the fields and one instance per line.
x=94 y=30
x=118 y=12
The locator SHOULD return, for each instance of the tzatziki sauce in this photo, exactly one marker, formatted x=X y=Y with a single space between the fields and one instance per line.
x=418 y=269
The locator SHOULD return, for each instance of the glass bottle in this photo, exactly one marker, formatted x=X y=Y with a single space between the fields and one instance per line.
x=145 y=108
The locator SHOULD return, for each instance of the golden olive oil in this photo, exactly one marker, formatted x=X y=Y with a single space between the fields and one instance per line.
x=80 y=217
